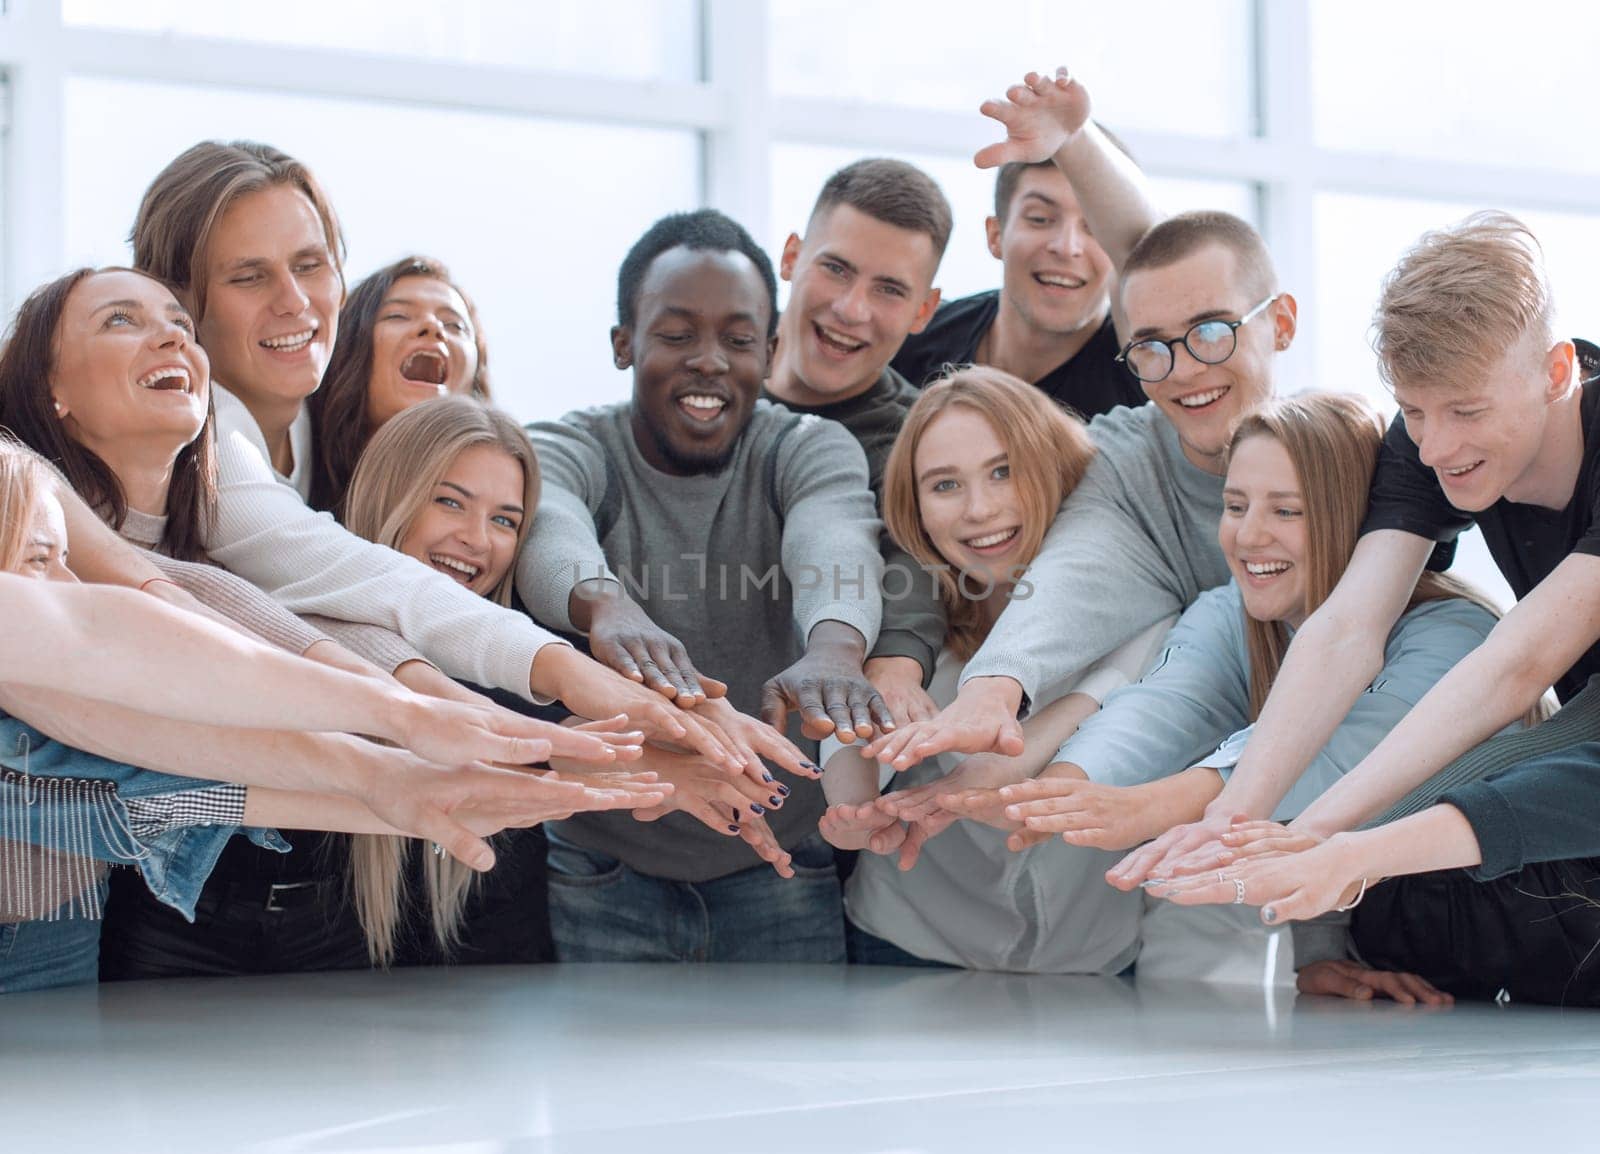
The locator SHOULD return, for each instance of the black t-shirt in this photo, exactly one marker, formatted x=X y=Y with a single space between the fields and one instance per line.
x=1091 y=383
x=1526 y=541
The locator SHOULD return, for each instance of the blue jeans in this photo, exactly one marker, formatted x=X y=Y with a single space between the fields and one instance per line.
x=40 y=955
x=604 y=911
x=867 y=949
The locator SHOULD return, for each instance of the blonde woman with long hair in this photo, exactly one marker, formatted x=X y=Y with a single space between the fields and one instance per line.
x=453 y=484
x=982 y=463
x=1294 y=500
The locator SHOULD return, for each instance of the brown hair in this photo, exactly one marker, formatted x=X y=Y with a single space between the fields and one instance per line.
x=340 y=429
x=409 y=456
x=1332 y=440
x=894 y=192
x=1459 y=299
x=27 y=367
x=1179 y=237
x=179 y=211
x=1048 y=450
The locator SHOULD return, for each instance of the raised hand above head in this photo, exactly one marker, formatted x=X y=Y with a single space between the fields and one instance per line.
x=1040 y=115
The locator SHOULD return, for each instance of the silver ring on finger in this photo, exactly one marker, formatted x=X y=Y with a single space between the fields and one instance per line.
x=1238 y=891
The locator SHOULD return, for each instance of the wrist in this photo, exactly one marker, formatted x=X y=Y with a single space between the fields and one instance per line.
x=994 y=692
x=902 y=669
x=836 y=640
x=553 y=668
x=353 y=770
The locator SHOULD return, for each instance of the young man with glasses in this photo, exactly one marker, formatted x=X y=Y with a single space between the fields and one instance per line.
x=1136 y=543
x=1499 y=425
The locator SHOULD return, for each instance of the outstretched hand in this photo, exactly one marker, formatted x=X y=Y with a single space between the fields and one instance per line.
x=833 y=696
x=1040 y=115
x=1340 y=978
x=622 y=636
x=982 y=719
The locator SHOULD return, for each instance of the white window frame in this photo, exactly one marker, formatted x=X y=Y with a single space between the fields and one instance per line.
x=732 y=108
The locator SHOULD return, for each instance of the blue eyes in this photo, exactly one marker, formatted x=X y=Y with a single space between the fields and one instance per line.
x=499 y=518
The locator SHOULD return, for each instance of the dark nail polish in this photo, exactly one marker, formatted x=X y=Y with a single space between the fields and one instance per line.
x=1269 y=915
x=811 y=767
x=733 y=829
x=754 y=808
x=776 y=801
x=783 y=789
x=767 y=777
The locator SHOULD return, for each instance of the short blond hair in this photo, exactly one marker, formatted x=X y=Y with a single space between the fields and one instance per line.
x=1461 y=298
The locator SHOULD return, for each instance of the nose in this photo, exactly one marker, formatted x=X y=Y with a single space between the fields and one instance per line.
x=1068 y=239
x=431 y=324
x=1185 y=366
x=1254 y=529
x=1437 y=445
x=289 y=298
x=980 y=504
x=473 y=532
x=708 y=358
x=852 y=306
x=171 y=335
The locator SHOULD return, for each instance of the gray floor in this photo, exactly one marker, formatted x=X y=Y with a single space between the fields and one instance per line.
x=808 y=1060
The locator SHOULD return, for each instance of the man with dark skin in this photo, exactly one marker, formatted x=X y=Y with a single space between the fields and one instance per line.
x=700 y=518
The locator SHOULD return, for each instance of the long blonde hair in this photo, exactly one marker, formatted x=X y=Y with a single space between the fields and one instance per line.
x=1048 y=450
x=1332 y=440
x=402 y=464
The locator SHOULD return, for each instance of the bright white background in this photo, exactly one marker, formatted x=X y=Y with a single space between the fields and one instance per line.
x=528 y=142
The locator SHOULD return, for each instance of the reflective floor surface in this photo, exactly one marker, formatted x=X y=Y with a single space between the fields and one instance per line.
x=807 y=1060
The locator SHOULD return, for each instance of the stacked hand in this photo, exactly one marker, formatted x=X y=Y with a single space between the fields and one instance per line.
x=834 y=698
x=982 y=719
x=899 y=680
x=623 y=637
x=732 y=806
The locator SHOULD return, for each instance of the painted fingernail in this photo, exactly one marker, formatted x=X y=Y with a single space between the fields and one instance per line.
x=811 y=766
x=754 y=808
x=783 y=789
x=1269 y=915
x=733 y=829
x=775 y=800
x=767 y=777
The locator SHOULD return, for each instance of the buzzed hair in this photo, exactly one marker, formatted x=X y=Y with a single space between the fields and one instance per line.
x=703 y=230
x=1181 y=236
x=894 y=192
x=1459 y=299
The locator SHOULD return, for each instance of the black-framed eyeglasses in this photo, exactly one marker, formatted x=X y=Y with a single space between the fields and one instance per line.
x=1209 y=342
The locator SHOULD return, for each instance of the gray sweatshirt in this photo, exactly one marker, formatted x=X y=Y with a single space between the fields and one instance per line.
x=739 y=565
x=1136 y=542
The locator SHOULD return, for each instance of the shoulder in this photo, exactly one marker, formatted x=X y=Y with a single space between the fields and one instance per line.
x=1216 y=612
x=950 y=338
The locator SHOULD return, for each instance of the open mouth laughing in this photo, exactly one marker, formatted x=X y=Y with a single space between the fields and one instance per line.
x=167 y=378
x=290 y=342
x=453 y=567
x=425 y=367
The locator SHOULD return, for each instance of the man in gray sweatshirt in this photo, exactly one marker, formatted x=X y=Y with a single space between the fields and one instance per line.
x=700 y=516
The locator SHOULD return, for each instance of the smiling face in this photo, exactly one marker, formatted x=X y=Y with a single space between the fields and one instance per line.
x=1263 y=531
x=127 y=364
x=699 y=352
x=1203 y=401
x=423 y=346
x=468 y=529
x=272 y=298
x=1483 y=441
x=966 y=499
x=860 y=288
x=1056 y=273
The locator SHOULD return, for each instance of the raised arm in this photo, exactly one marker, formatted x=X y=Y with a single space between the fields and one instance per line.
x=1047 y=118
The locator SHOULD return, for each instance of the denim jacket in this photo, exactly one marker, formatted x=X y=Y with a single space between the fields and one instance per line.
x=64 y=799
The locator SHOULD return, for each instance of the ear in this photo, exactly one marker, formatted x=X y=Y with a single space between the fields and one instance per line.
x=1285 y=321
x=622 y=346
x=791 y=253
x=1560 y=371
x=991 y=230
x=772 y=355
x=930 y=305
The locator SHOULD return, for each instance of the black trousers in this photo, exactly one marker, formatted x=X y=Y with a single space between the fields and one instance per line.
x=507 y=915
x=1533 y=934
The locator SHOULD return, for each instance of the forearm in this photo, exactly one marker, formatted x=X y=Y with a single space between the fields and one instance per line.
x=1438 y=838
x=838 y=640
x=420 y=677
x=119 y=646
x=1114 y=193
x=1326 y=669
x=1470 y=704
x=269 y=808
x=1047 y=730
x=323 y=762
